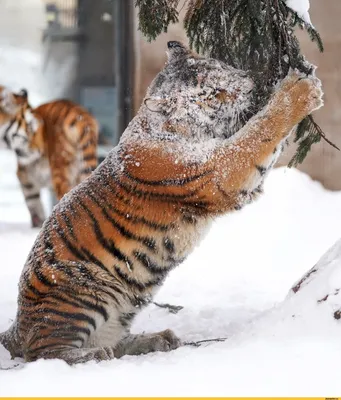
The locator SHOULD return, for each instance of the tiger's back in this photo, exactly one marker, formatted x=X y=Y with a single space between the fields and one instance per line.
x=69 y=140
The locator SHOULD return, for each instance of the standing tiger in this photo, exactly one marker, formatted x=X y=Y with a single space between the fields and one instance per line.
x=110 y=243
x=55 y=145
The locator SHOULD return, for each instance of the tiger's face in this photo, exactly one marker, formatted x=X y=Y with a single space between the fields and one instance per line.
x=11 y=103
x=24 y=130
x=198 y=97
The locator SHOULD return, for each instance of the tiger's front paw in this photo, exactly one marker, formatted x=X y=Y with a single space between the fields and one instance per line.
x=299 y=95
x=307 y=94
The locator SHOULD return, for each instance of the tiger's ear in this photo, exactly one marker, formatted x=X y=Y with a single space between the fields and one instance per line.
x=23 y=93
x=21 y=97
x=155 y=104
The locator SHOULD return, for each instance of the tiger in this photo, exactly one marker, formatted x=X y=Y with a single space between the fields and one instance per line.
x=55 y=146
x=110 y=243
x=10 y=105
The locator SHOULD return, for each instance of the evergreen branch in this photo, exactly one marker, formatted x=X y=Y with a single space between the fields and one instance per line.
x=308 y=132
x=155 y=16
x=324 y=137
x=303 y=148
x=315 y=37
x=312 y=32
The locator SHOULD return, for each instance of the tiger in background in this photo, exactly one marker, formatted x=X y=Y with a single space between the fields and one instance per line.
x=10 y=104
x=55 y=146
x=110 y=242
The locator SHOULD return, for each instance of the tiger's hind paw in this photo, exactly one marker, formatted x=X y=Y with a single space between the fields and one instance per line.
x=166 y=341
x=147 y=343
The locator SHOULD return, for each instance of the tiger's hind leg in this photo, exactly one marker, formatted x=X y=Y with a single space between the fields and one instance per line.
x=131 y=345
x=68 y=174
x=63 y=175
x=31 y=191
x=76 y=355
x=134 y=345
x=63 y=335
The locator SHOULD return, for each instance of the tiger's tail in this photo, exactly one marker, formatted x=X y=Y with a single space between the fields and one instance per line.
x=4 y=339
x=88 y=152
x=7 y=339
x=87 y=147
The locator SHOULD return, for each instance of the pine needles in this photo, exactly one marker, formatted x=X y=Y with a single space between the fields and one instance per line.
x=308 y=132
x=253 y=35
x=156 y=15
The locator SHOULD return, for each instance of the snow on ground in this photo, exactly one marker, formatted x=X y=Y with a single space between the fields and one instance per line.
x=232 y=286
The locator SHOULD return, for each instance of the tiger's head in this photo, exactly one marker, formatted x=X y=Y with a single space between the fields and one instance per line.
x=11 y=103
x=23 y=133
x=198 y=97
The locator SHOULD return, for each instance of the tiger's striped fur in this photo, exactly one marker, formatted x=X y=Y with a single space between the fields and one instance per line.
x=10 y=105
x=55 y=145
x=110 y=243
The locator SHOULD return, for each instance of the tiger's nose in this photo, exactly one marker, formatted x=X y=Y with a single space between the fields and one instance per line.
x=173 y=44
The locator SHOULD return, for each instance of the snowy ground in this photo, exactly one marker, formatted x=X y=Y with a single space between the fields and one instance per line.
x=232 y=286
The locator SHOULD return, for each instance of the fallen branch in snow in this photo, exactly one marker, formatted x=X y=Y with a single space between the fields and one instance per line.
x=200 y=342
x=15 y=366
x=172 y=309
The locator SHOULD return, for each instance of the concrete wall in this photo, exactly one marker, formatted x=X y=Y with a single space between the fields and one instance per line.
x=21 y=26
x=60 y=58
x=46 y=70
